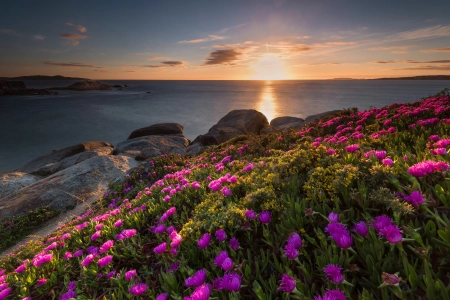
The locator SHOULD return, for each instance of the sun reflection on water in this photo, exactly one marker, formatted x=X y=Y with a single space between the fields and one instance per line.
x=267 y=101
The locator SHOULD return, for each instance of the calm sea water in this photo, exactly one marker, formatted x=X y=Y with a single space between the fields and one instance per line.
x=31 y=126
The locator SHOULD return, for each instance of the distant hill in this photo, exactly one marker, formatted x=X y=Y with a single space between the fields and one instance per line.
x=428 y=77
x=45 y=77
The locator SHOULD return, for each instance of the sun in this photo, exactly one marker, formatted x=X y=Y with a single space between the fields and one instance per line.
x=269 y=67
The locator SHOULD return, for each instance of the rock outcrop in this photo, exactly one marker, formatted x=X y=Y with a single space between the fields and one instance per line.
x=146 y=147
x=87 y=85
x=85 y=181
x=236 y=122
x=284 y=120
x=43 y=165
x=157 y=129
x=19 y=88
x=320 y=116
x=11 y=183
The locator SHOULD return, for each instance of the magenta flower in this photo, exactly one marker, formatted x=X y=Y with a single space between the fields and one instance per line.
x=264 y=217
x=87 y=260
x=390 y=279
x=331 y=151
x=21 y=268
x=387 y=162
x=197 y=279
x=96 y=235
x=127 y=233
x=220 y=258
x=416 y=199
x=334 y=274
x=92 y=250
x=195 y=185
x=41 y=259
x=221 y=235
x=176 y=240
x=204 y=241
x=202 y=292
x=295 y=240
x=118 y=223
x=81 y=226
x=111 y=274
x=160 y=249
x=106 y=246
x=333 y=218
x=226 y=191
x=231 y=282
x=380 y=154
x=232 y=179
x=103 y=262
x=352 y=148
x=248 y=167
x=130 y=275
x=51 y=246
x=98 y=226
x=290 y=252
x=159 y=229
x=40 y=282
x=5 y=293
x=287 y=284
x=163 y=296
x=68 y=255
x=78 y=253
x=361 y=228
x=380 y=222
x=214 y=185
x=332 y=295
x=138 y=289
x=392 y=234
x=227 y=264
x=166 y=198
x=250 y=214
x=234 y=243
x=69 y=295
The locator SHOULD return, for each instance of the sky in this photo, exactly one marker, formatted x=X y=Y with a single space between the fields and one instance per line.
x=225 y=40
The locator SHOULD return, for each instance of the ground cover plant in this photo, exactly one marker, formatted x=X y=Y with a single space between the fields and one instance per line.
x=354 y=206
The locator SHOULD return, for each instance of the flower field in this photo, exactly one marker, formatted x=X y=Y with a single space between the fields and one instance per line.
x=354 y=206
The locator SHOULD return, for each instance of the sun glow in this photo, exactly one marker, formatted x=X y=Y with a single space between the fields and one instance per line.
x=267 y=102
x=270 y=67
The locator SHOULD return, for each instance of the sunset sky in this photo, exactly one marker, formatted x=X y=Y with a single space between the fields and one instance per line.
x=232 y=39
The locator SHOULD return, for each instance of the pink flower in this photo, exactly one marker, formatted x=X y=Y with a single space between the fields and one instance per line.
x=159 y=229
x=221 y=235
x=332 y=295
x=219 y=259
x=87 y=260
x=68 y=255
x=415 y=199
x=204 y=241
x=118 y=223
x=226 y=191
x=290 y=252
x=392 y=234
x=333 y=218
x=160 y=249
x=214 y=185
x=387 y=162
x=5 y=293
x=40 y=282
x=231 y=282
x=202 y=292
x=103 y=262
x=334 y=274
x=380 y=154
x=51 y=246
x=380 y=222
x=232 y=179
x=195 y=185
x=287 y=284
x=331 y=151
x=352 y=148
x=163 y=296
x=130 y=275
x=98 y=226
x=197 y=279
x=96 y=235
x=295 y=240
x=41 y=259
x=138 y=289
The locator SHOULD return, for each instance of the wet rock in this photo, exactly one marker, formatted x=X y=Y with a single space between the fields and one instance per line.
x=157 y=129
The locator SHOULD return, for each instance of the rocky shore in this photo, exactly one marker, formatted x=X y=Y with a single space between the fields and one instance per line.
x=80 y=173
x=19 y=88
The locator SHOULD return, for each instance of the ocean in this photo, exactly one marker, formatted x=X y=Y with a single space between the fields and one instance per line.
x=31 y=126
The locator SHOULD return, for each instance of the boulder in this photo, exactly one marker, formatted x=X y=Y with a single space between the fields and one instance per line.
x=195 y=149
x=11 y=183
x=157 y=129
x=236 y=122
x=42 y=165
x=284 y=120
x=320 y=116
x=269 y=129
x=83 y=182
x=288 y=126
x=146 y=147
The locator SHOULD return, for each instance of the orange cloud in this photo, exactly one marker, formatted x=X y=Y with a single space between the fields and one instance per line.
x=70 y=64
x=77 y=27
x=211 y=37
x=436 y=50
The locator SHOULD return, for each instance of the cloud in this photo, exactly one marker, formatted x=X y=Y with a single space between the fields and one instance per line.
x=210 y=37
x=77 y=27
x=168 y=63
x=73 y=36
x=39 y=37
x=70 y=64
x=410 y=61
x=101 y=71
x=223 y=57
x=129 y=71
x=384 y=62
x=424 y=33
x=9 y=32
x=436 y=50
x=392 y=49
x=426 y=68
x=289 y=49
x=224 y=30
x=157 y=57
x=341 y=43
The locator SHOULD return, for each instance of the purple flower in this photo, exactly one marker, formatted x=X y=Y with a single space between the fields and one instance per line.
x=387 y=162
x=415 y=199
x=130 y=275
x=92 y=250
x=333 y=218
x=51 y=246
x=98 y=226
x=197 y=279
x=234 y=243
x=214 y=185
x=392 y=234
x=264 y=217
x=106 y=246
x=72 y=286
x=87 y=260
x=352 y=148
x=173 y=267
x=160 y=249
x=159 y=229
x=68 y=255
x=96 y=235
x=204 y=241
x=78 y=253
x=332 y=295
x=5 y=293
x=221 y=235
x=390 y=279
x=227 y=264
x=248 y=167
x=103 y=262
x=220 y=258
x=118 y=223
x=69 y=295
x=250 y=214
x=343 y=240
x=138 y=289
x=361 y=228
x=287 y=284
x=232 y=179
x=226 y=191
x=380 y=154
x=40 y=282
x=334 y=274
x=290 y=252
x=41 y=259
x=380 y=222
x=127 y=233
x=231 y=282
x=111 y=274
x=295 y=240
x=163 y=296
x=202 y=292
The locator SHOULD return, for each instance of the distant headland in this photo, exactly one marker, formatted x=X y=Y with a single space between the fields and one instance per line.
x=427 y=77
x=43 y=77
